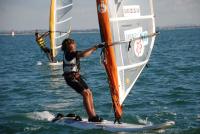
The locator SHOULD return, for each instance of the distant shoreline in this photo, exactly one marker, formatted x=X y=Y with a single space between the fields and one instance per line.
x=31 y=32
x=177 y=27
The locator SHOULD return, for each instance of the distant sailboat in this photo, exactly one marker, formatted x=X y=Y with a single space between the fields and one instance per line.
x=13 y=33
x=59 y=23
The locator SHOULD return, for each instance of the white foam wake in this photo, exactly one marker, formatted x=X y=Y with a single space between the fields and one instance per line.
x=45 y=115
x=144 y=121
x=39 y=63
x=198 y=116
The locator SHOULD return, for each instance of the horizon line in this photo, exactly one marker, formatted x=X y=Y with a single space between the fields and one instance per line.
x=31 y=31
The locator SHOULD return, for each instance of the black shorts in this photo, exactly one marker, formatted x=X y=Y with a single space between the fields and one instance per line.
x=75 y=81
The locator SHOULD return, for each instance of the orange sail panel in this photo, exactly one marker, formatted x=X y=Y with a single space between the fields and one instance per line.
x=109 y=61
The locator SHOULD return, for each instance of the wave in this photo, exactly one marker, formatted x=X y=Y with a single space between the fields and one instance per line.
x=45 y=116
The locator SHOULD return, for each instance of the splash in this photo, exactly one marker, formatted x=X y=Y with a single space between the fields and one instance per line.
x=198 y=117
x=144 y=121
x=39 y=63
x=45 y=115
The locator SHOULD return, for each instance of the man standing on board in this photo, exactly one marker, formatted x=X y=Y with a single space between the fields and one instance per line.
x=71 y=68
x=41 y=43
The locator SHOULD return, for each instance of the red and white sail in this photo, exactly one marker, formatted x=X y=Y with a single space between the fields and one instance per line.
x=128 y=28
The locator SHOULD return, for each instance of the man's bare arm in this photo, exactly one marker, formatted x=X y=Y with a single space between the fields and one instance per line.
x=44 y=35
x=87 y=52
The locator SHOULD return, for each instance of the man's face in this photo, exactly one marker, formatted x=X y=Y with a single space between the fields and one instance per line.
x=72 y=47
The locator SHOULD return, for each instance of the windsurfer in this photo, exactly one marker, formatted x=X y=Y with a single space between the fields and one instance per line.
x=41 y=43
x=71 y=68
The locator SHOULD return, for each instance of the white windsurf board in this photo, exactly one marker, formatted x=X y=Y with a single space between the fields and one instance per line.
x=56 y=63
x=110 y=126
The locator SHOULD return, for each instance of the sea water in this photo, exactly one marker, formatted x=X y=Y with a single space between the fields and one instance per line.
x=32 y=92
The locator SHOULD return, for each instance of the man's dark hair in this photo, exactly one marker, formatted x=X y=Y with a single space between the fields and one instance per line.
x=36 y=33
x=66 y=42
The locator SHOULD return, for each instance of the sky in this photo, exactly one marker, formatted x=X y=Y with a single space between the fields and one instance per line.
x=34 y=14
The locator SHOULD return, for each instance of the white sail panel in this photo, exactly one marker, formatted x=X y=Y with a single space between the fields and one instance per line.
x=131 y=19
x=62 y=22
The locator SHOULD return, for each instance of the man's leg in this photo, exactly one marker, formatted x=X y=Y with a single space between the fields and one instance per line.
x=48 y=54
x=53 y=59
x=92 y=102
x=88 y=103
x=49 y=57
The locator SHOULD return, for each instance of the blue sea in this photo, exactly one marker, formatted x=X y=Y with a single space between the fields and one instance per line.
x=32 y=92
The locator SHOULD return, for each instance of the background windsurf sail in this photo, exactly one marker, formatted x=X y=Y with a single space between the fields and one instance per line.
x=59 y=23
x=128 y=28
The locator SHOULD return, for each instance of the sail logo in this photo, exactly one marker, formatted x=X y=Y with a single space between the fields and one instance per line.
x=132 y=33
x=139 y=48
x=139 y=44
x=131 y=11
x=102 y=7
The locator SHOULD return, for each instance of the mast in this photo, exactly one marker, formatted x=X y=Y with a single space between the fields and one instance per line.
x=109 y=61
x=52 y=21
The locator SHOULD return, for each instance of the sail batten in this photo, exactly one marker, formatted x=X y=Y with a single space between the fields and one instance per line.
x=61 y=35
x=128 y=29
x=132 y=66
x=63 y=21
x=59 y=46
x=65 y=7
x=132 y=18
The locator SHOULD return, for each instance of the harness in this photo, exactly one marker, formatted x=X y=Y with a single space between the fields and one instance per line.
x=71 y=66
x=41 y=42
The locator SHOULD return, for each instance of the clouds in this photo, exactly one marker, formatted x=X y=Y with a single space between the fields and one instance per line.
x=34 y=14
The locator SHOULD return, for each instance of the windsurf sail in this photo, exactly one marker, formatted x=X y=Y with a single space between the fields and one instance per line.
x=59 y=23
x=128 y=29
